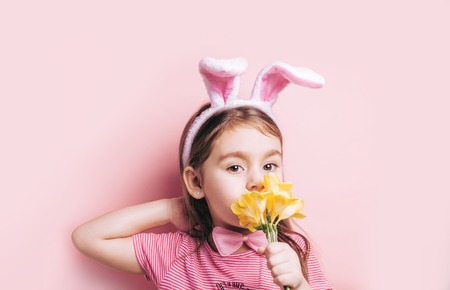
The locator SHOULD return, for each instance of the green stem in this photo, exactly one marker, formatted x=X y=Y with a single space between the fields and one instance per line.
x=272 y=233
x=272 y=236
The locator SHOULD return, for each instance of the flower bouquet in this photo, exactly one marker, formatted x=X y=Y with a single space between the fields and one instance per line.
x=263 y=210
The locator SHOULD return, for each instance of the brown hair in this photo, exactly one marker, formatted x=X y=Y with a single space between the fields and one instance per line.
x=200 y=219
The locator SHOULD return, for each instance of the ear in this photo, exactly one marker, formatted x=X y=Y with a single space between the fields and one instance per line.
x=192 y=181
x=275 y=77
x=221 y=77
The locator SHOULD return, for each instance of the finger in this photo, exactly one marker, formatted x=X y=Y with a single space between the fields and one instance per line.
x=286 y=276
x=277 y=260
x=281 y=269
x=276 y=248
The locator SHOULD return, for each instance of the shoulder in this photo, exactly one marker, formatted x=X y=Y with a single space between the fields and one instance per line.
x=164 y=245
x=162 y=240
x=156 y=252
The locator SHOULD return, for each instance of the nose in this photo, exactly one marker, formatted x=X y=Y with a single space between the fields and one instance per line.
x=255 y=181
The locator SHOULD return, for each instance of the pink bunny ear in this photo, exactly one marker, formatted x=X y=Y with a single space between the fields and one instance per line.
x=221 y=77
x=275 y=77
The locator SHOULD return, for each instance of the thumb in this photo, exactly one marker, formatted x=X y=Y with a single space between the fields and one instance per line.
x=261 y=250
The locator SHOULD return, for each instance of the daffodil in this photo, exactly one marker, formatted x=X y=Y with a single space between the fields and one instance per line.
x=250 y=209
x=263 y=210
x=281 y=207
x=273 y=184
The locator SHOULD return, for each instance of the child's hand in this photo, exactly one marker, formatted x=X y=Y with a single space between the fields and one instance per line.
x=179 y=217
x=285 y=266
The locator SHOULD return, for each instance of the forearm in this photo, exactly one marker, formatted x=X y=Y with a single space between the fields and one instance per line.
x=107 y=238
x=127 y=221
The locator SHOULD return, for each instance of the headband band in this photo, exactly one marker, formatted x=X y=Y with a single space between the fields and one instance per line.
x=222 y=80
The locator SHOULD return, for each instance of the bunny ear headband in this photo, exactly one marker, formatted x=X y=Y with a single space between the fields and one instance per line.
x=222 y=79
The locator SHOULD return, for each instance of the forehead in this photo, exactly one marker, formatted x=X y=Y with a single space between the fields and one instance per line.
x=245 y=138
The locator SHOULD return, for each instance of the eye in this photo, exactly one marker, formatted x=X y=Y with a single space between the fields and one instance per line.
x=235 y=168
x=270 y=167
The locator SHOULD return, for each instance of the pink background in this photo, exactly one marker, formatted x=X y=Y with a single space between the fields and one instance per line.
x=94 y=95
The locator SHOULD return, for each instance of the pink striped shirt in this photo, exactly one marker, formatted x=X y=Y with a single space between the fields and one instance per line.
x=170 y=261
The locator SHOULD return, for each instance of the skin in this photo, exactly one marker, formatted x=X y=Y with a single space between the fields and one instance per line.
x=239 y=159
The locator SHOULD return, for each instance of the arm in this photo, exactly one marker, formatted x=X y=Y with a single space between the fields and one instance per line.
x=285 y=266
x=108 y=240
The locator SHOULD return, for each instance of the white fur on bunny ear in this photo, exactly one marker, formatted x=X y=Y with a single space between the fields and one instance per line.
x=275 y=77
x=221 y=77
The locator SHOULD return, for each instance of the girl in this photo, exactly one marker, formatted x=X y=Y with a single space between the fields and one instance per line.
x=225 y=149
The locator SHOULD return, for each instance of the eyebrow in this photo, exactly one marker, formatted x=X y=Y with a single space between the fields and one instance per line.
x=243 y=155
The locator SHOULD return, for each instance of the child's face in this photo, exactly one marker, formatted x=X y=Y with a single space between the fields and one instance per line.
x=238 y=161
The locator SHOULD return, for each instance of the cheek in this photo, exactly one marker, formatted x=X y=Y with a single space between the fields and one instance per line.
x=223 y=186
x=223 y=195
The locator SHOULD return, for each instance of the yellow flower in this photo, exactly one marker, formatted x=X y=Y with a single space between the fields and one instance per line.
x=250 y=209
x=272 y=183
x=280 y=207
x=274 y=203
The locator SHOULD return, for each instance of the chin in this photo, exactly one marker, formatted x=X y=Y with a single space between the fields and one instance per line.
x=238 y=228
